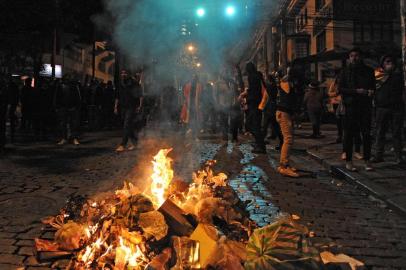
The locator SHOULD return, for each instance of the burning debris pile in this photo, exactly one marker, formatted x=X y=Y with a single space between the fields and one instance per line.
x=171 y=226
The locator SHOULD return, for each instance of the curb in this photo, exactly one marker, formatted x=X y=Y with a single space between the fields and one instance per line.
x=362 y=182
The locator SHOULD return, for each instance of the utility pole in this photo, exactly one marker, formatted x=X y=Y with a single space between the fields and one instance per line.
x=403 y=31
x=54 y=38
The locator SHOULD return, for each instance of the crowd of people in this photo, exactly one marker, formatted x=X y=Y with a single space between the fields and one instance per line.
x=358 y=95
x=231 y=102
x=54 y=109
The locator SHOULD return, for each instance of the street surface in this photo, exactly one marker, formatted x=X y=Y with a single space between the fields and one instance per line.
x=36 y=180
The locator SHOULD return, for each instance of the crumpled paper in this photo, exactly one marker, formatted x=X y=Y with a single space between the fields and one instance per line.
x=71 y=236
x=153 y=223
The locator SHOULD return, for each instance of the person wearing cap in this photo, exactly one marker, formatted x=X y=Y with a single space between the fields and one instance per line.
x=389 y=102
x=313 y=102
x=357 y=86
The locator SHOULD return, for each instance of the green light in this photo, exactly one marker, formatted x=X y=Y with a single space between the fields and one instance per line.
x=200 y=12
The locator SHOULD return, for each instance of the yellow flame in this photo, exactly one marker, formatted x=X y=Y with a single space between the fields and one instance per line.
x=161 y=177
x=131 y=255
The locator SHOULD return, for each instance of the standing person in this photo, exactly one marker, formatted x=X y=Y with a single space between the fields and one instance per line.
x=67 y=103
x=13 y=99
x=191 y=114
x=224 y=97
x=3 y=113
x=335 y=102
x=26 y=104
x=208 y=108
x=129 y=101
x=270 y=111
x=313 y=102
x=357 y=85
x=254 y=96
x=389 y=102
x=286 y=107
x=108 y=105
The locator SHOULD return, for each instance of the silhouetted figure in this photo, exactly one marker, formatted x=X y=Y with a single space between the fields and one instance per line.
x=67 y=103
x=129 y=102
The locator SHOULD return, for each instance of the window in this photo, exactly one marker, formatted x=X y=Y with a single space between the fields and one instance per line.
x=319 y=4
x=302 y=48
x=372 y=32
x=321 y=42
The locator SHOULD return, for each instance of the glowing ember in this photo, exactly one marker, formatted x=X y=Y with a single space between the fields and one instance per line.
x=161 y=177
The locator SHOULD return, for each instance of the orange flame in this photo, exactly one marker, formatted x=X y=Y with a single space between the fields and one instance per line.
x=161 y=177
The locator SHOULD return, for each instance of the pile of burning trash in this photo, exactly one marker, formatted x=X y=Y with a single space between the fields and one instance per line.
x=173 y=225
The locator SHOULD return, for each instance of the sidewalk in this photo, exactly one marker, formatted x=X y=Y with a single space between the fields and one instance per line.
x=387 y=182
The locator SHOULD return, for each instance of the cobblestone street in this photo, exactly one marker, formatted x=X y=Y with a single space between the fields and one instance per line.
x=37 y=179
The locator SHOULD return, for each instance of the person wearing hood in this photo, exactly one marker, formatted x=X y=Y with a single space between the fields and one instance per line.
x=357 y=86
x=389 y=102
x=254 y=95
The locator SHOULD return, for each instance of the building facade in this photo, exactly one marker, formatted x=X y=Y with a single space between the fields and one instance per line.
x=317 y=34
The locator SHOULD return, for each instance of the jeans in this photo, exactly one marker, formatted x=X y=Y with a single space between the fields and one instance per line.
x=69 y=117
x=384 y=118
x=255 y=119
x=285 y=122
x=129 y=116
x=270 y=119
x=357 y=119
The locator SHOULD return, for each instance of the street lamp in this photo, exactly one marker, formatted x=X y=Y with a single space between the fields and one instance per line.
x=200 y=12
x=191 y=48
x=230 y=10
x=198 y=64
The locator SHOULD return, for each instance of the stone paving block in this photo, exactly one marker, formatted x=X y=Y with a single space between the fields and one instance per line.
x=12 y=259
x=10 y=267
x=7 y=242
x=26 y=251
x=7 y=249
x=25 y=243
x=7 y=235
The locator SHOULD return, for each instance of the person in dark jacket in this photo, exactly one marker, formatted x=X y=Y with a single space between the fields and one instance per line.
x=286 y=108
x=67 y=103
x=3 y=112
x=26 y=104
x=129 y=101
x=313 y=102
x=270 y=111
x=107 y=105
x=254 y=97
x=389 y=102
x=357 y=86
x=13 y=100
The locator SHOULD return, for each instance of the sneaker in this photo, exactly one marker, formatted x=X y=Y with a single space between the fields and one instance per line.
x=62 y=142
x=287 y=171
x=120 y=148
x=349 y=166
x=76 y=142
x=343 y=156
x=131 y=147
x=358 y=155
x=368 y=166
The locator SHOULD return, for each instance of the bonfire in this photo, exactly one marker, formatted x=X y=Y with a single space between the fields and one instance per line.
x=202 y=225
